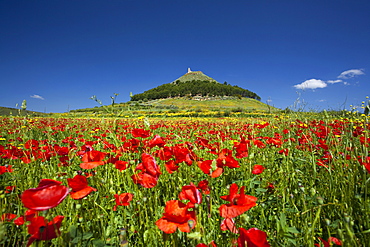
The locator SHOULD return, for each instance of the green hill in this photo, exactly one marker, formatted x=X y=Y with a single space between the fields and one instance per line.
x=194 y=84
x=7 y=111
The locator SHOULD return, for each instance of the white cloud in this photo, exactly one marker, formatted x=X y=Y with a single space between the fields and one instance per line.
x=311 y=84
x=334 y=81
x=35 y=96
x=351 y=73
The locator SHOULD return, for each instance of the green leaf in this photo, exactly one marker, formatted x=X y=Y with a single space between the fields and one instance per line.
x=76 y=240
x=98 y=243
x=87 y=235
x=195 y=235
x=292 y=229
x=73 y=231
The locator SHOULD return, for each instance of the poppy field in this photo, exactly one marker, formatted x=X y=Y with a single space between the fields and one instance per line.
x=273 y=181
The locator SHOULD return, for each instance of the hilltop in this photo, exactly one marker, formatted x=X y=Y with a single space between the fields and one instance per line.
x=194 y=84
x=194 y=76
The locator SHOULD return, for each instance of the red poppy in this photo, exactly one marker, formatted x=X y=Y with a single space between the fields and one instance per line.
x=171 y=166
x=121 y=165
x=149 y=172
x=205 y=166
x=40 y=229
x=7 y=217
x=257 y=169
x=122 y=200
x=203 y=185
x=48 y=194
x=239 y=203
x=330 y=240
x=4 y=169
x=9 y=189
x=140 y=133
x=259 y=143
x=241 y=148
x=79 y=186
x=284 y=151
x=191 y=193
x=28 y=215
x=228 y=224
x=225 y=158
x=92 y=159
x=156 y=141
x=252 y=237
x=211 y=244
x=176 y=215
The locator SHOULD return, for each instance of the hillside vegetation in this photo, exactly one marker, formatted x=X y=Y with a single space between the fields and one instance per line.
x=6 y=111
x=194 y=88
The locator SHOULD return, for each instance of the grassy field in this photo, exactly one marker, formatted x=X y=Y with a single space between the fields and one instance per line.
x=247 y=104
x=287 y=180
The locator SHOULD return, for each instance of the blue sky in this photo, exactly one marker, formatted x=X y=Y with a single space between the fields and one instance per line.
x=299 y=54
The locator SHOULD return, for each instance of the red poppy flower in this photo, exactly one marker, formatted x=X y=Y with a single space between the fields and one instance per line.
x=144 y=179
x=4 y=169
x=28 y=215
x=225 y=158
x=211 y=244
x=171 y=166
x=239 y=203
x=241 y=148
x=284 y=151
x=252 y=237
x=122 y=200
x=48 y=194
x=176 y=215
x=40 y=229
x=228 y=224
x=92 y=159
x=191 y=193
x=203 y=185
x=156 y=141
x=205 y=166
x=259 y=143
x=330 y=240
x=121 y=165
x=149 y=172
x=7 y=217
x=79 y=186
x=257 y=169
x=140 y=133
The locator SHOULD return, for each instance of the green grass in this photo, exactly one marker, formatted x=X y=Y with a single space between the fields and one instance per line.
x=321 y=188
x=246 y=104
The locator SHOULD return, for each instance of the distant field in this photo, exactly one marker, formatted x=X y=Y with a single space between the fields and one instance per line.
x=244 y=104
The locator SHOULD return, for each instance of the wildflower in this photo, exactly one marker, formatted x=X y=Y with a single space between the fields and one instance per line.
x=92 y=159
x=122 y=200
x=191 y=193
x=140 y=133
x=156 y=141
x=121 y=165
x=7 y=217
x=40 y=229
x=4 y=169
x=149 y=172
x=330 y=240
x=176 y=215
x=257 y=169
x=79 y=186
x=252 y=237
x=239 y=203
x=48 y=194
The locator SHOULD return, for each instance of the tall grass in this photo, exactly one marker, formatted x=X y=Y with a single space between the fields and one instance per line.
x=318 y=187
